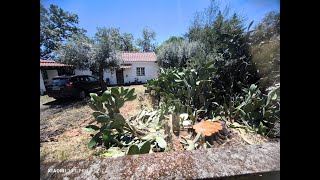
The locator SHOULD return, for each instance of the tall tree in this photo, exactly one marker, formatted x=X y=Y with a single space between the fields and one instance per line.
x=147 y=43
x=266 y=49
x=267 y=28
x=76 y=51
x=56 y=25
x=174 y=39
x=127 y=42
x=176 y=53
x=98 y=54
x=105 y=51
x=225 y=42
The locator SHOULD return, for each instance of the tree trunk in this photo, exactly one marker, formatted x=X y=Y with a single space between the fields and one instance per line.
x=102 y=83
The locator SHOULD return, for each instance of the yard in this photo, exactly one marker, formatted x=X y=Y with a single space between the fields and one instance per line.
x=62 y=137
x=61 y=123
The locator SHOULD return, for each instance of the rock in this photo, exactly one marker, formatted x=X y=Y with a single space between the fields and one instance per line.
x=228 y=162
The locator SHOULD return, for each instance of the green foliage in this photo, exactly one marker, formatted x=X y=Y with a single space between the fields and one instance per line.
x=257 y=110
x=112 y=123
x=75 y=51
x=104 y=51
x=134 y=149
x=188 y=90
x=127 y=42
x=97 y=54
x=266 y=49
x=218 y=38
x=56 y=25
x=238 y=59
x=144 y=149
x=146 y=43
x=172 y=39
x=137 y=136
x=176 y=53
x=267 y=28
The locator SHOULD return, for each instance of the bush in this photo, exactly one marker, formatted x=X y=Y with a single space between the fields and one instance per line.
x=119 y=135
x=257 y=110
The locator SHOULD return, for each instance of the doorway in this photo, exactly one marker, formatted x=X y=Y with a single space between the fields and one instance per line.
x=119 y=75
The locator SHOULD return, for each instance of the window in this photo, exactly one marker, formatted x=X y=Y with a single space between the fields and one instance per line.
x=140 y=71
x=92 y=79
x=58 y=82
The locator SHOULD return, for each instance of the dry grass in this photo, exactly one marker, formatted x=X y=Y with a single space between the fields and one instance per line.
x=132 y=108
x=71 y=142
x=250 y=137
x=67 y=148
x=45 y=99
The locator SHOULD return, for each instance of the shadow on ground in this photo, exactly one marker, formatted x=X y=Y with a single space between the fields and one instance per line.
x=63 y=102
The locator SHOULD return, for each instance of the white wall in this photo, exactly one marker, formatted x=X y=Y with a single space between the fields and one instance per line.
x=151 y=72
x=42 y=87
x=52 y=73
x=82 y=72
x=111 y=75
x=106 y=74
x=150 y=68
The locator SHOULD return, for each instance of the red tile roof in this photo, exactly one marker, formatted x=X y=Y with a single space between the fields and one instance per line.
x=126 y=57
x=138 y=56
x=46 y=61
x=50 y=63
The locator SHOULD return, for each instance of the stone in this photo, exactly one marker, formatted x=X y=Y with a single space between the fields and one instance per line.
x=244 y=160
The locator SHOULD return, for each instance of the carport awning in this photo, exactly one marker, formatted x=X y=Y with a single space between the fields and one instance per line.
x=125 y=66
x=45 y=64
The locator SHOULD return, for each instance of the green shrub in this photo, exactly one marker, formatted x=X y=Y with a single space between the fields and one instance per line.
x=119 y=135
x=107 y=114
x=254 y=109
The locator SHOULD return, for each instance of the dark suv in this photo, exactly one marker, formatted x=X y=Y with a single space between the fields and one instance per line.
x=76 y=86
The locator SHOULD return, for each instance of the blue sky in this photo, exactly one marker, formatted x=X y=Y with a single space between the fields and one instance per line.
x=166 y=17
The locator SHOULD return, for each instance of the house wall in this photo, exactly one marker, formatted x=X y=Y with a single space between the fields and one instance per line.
x=151 y=71
x=42 y=86
x=82 y=72
x=106 y=74
x=52 y=73
x=111 y=75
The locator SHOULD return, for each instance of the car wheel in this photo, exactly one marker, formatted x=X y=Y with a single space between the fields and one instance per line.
x=82 y=95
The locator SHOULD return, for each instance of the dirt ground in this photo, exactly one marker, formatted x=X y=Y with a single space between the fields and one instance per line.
x=61 y=122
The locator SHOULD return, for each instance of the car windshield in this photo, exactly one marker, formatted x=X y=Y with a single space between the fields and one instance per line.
x=58 y=82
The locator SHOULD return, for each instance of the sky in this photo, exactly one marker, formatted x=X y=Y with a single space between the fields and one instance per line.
x=166 y=17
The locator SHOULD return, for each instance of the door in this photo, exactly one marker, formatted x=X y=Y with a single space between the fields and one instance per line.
x=119 y=75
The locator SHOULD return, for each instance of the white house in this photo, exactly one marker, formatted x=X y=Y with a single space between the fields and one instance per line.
x=136 y=67
x=50 y=69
